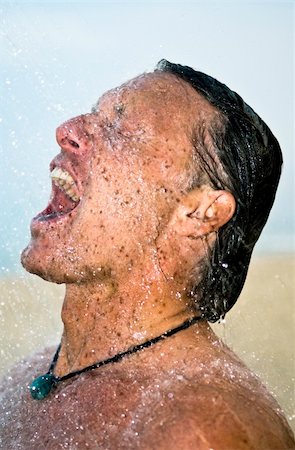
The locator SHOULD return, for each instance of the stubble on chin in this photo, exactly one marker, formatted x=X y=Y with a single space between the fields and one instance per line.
x=62 y=268
x=36 y=262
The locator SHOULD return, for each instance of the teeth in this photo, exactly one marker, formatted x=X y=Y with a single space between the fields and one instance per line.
x=63 y=180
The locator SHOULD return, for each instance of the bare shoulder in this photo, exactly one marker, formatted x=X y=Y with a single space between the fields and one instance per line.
x=15 y=416
x=219 y=406
x=219 y=415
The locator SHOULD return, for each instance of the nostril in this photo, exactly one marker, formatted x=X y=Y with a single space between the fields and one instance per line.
x=71 y=136
x=73 y=143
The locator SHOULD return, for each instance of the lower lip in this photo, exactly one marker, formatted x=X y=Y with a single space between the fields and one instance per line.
x=52 y=217
x=46 y=219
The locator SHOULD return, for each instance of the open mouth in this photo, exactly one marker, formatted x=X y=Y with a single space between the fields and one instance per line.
x=64 y=197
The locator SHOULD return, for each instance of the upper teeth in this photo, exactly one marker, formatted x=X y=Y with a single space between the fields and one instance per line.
x=65 y=182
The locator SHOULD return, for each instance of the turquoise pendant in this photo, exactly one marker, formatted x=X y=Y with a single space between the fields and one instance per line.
x=42 y=385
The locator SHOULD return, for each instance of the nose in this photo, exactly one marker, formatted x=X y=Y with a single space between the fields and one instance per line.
x=72 y=137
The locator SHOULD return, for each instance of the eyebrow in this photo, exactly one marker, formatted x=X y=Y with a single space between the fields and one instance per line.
x=94 y=108
x=119 y=108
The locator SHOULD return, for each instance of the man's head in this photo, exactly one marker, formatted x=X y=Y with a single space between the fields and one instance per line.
x=128 y=162
x=151 y=178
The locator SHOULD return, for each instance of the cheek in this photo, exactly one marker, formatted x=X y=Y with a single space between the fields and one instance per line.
x=117 y=224
x=125 y=202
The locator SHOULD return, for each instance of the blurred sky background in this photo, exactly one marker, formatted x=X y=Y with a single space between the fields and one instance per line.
x=58 y=57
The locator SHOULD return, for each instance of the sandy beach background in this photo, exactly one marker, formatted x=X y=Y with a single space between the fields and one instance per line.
x=260 y=328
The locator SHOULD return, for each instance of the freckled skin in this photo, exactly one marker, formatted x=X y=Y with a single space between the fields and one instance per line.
x=190 y=392
x=126 y=253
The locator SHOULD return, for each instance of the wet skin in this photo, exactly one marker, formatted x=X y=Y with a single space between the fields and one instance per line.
x=126 y=252
x=189 y=392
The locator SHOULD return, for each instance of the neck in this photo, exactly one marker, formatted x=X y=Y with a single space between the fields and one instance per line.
x=102 y=319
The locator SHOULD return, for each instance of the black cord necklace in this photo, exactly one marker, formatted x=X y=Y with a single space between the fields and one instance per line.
x=43 y=384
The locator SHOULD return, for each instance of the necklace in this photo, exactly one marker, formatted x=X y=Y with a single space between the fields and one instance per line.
x=42 y=385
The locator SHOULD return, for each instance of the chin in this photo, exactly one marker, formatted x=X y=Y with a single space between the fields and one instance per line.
x=38 y=260
x=45 y=266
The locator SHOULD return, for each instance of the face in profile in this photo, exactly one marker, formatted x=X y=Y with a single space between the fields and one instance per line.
x=119 y=175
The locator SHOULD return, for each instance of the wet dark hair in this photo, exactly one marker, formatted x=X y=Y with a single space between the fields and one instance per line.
x=251 y=158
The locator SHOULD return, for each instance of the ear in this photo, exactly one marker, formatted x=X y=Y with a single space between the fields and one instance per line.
x=203 y=211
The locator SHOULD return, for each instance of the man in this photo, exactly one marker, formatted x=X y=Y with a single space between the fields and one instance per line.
x=158 y=197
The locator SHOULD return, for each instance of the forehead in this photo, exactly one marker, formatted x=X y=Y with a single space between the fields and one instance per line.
x=155 y=103
x=143 y=91
x=154 y=117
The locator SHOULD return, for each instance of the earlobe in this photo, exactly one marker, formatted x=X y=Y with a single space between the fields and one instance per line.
x=203 y=211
